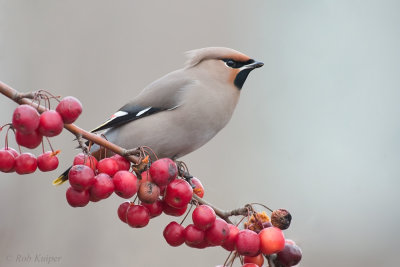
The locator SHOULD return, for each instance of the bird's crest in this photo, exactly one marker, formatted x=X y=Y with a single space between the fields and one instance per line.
x=197 y=55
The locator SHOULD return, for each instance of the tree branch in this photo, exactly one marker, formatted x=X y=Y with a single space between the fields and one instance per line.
x=24 y=98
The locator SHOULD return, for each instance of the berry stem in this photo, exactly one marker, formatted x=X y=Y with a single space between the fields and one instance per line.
x=187 y=213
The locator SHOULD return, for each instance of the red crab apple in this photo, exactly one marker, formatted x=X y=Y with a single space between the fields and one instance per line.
x=174 y=234
x=137 y=216
x=48 y=161
x=122 y=210
x=230 y=241
x=163 y=171
x=203 y=217
x=178 y=193
x=50 y=123
x=272 y=240
x=125 y=184
x=167 y=209
x=29 y=140
x=154 y=208
x=258 y=260
x=108 y=165
x=102 y=187
x=14 y=153
x=25 y=163
x=82 y=159
x=193 y=235
x=77 y=198
x=81 y=177
x=248 y=243
x=7 y=161
x=123 y=163
x=217 y=233
x=290 y=255
x=25 y=119
x=69 y=108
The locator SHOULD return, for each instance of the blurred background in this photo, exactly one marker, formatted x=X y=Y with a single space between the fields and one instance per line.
x=316 y=130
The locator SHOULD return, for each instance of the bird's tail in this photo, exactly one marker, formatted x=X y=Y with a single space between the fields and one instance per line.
x=62 y=178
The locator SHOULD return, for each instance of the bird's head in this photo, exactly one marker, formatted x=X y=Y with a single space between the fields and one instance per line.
x=224 y=64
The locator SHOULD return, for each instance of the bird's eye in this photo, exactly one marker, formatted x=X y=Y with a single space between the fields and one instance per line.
x=231 y=63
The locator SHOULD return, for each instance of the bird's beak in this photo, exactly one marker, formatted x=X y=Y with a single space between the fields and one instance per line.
x=254 y=65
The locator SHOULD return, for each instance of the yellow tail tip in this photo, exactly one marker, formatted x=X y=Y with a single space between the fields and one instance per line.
x=60 y=180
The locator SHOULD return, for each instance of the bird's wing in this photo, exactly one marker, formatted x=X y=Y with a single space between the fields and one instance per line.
x=163 y=94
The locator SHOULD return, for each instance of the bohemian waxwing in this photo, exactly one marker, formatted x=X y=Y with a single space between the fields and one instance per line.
x=183 y=110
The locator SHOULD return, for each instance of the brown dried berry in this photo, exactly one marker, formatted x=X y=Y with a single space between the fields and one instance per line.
x=281 y=218
x=255 y=223
x=148 y=192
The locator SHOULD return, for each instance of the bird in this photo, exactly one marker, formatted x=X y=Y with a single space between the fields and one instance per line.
x=183 y=110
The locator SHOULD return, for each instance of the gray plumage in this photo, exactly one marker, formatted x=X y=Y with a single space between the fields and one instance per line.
x=194 y=104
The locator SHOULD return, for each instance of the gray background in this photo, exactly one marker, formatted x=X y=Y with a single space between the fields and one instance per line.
x=316 y=130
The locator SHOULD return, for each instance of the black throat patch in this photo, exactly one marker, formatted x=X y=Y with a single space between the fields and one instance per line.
x=241 y=78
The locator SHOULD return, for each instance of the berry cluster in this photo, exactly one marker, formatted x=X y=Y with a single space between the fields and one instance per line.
x=30 y=127
x=251 y=245
x=156 y=190
x=159 y=191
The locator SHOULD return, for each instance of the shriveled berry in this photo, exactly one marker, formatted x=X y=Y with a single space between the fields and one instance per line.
x=81 y=177
x=154 y=208
x=77 y=198
x=125 y=184
x=122 y=210
x=7 y=161
x=203 y=217
x=50 y=123
x=69 y=108
x=148 y=192
x=137 y=216
x=281 y=218
x=108 y=165
x=25 y=119
x=25 y=163
x=174 y=234
x=248 y=243
x=178 y=193
x=230 y=242
x=48 y=161
x=29 y=140
x=163 y=171
x=102 y=187
x=217 y=233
